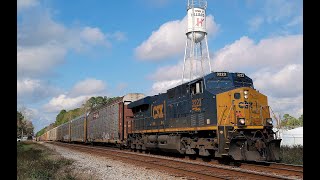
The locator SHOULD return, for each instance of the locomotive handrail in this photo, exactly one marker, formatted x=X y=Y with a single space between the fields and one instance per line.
x=222 y=114
x=228 y=116
x=278 y=123
x=224 y=124
x=261 y=115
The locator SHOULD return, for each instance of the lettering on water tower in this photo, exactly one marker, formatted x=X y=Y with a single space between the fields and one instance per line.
x=196 y=20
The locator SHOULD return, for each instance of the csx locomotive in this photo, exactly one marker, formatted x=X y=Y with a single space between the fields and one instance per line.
x=218 y=115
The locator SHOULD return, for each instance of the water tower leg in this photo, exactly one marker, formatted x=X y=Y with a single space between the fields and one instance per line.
x=205 y=37
x=184 y=59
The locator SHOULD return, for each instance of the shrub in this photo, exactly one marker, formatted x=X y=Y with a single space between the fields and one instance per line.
x=292 y=154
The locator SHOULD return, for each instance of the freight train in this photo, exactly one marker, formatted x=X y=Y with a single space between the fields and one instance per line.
x=218 y=115
x=106 y=124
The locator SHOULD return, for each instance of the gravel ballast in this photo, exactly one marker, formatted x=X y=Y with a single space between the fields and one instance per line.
x=89 y=166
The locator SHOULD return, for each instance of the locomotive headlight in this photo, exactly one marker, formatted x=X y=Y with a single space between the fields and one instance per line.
x=245 y=92
x=242 y=121
x=269 y=121
x=246 y=96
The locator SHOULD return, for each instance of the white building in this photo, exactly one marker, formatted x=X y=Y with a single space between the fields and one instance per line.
x=291 y=137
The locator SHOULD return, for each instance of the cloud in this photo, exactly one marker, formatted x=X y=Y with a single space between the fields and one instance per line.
x=78 y=94
x=121 y=86
x=88 y=87
x=169 y=76
x=27 y=86
x=24 y=4
x=297 y=20
x=163 y=86
x=26 y=112
x=62 y=101
x=278 y=10
x=34 y=90
x=280 y=15
x=119 y=36
x=291 y=105
x=288 y=82
x=40 y=119
x=274 y=64
x=174 y=72
x=36 y=61
x=43 y=42
x=169 y=39
x=37 y=27
x=255 y=23
x=93 y=36
x=169 y=72
x=245 y=55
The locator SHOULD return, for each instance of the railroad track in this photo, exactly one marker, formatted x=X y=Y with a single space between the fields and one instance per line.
x=278 y=168
x=183 y=168
x=275 y=168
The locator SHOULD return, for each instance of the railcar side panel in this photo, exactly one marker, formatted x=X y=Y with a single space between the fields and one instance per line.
x=52 y=134
x=65 y=130
x=102 y=124
x=59 y=133
x=77 y=129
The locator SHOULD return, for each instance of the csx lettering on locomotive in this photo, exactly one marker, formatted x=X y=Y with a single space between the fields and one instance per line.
x=157 y=111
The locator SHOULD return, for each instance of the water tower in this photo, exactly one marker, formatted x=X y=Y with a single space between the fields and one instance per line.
x=196 y=49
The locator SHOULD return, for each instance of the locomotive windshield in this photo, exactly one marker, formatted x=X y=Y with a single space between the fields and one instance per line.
x=224 y=81
x=219 y=83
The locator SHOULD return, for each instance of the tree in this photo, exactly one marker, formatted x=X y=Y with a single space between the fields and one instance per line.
x=290 y=122
x=301 y=119
x=24 y=126
x=92 y=102
x=42 y=131
x=29 y=128
x=96 y=102
x=20 y=124
x=60 y=118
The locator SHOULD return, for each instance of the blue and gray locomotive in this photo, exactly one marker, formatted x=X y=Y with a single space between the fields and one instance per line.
x=218 y=115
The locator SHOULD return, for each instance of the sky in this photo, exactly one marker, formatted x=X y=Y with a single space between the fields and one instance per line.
x=69 y=51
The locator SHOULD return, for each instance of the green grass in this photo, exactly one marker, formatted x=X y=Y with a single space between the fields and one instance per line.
x=292 y=155
x=35 y=161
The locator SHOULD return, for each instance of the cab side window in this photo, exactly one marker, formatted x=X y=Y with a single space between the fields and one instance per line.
x=196 y=88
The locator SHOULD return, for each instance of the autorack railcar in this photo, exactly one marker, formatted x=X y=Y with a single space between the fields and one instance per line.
x=104 y=124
